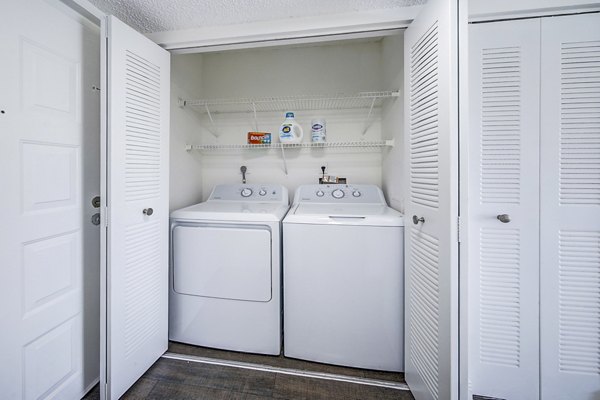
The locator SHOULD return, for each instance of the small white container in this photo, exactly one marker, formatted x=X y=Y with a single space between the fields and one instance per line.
x=318 y=130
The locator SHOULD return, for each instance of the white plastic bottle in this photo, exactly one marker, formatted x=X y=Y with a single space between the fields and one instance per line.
x=290 y=131
x=318 y=130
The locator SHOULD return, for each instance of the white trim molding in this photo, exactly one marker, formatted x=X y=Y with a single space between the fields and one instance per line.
x=85 y=9
x=485 y=10
x=287 y=31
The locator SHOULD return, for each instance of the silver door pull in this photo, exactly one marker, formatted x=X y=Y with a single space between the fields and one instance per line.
x=416 y=220
x=148 y=211
x=504 y=218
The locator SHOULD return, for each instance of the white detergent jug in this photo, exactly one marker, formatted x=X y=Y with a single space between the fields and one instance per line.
x=290 y=131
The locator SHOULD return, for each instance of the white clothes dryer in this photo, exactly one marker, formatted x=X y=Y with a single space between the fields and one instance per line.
x=343 y=280
x=225 y=278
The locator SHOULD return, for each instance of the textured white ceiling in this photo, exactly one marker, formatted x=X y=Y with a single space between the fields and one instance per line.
x=166 y=15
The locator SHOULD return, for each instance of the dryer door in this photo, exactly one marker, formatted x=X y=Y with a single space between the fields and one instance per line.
x=222 y=261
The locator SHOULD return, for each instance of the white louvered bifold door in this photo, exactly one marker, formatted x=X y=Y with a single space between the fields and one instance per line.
x=503 y=179
x=570 y=208
x=136 y=181
x=431 y=130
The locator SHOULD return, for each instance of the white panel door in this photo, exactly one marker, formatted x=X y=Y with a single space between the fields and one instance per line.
x=504 y=179
x=49 y=169
x=135 y=279
x=570 y=208
x=431 y=110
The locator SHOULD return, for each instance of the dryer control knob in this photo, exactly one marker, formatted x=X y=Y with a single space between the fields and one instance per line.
x=338 y=193
x=320 y=193
x=262 y=192
x=246 y=192
x=356 y=193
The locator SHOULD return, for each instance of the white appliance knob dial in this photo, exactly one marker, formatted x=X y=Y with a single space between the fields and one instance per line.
x=338 y=193
x=262 y=192
x=246 y=192
x=356 y=193
x=320 y=193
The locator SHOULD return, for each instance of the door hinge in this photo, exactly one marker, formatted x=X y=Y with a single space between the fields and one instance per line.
x=458 y=238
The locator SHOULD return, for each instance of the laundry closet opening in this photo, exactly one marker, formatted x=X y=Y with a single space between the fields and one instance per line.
x=355 y=85
x=217 y=98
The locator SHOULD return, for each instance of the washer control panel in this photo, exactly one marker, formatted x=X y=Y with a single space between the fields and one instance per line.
x=250 y=193
x=340 y=193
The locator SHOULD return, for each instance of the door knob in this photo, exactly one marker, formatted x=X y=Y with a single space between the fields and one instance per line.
x=504 y=218
x=96 y=219
x=416 y=220
x=148 y=211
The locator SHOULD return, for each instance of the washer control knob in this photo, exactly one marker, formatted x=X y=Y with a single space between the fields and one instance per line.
x=356 y=193
x=320 y=193
x=337 y=193
x=246 y=192
x=262 y=192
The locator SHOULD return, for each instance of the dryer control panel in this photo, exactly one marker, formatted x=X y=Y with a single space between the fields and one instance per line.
x=251 y=193
x=340 y=193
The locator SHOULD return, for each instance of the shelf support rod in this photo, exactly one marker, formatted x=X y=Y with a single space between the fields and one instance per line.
x=367 y=124
x=212 y=121
x=255 y=118
x=285 y=168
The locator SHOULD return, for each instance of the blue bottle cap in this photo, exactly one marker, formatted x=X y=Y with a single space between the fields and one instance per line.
x=289 y=114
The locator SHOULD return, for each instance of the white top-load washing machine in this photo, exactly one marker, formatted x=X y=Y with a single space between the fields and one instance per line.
x=225 y=280
x=343 y=278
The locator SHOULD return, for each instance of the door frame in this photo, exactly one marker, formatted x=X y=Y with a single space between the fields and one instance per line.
x=499 y=11
x=463 y=202
x=86 y=10
x=361 y=24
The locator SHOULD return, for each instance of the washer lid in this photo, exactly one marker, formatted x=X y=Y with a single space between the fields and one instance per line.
x=344 y=214
x=232 y=211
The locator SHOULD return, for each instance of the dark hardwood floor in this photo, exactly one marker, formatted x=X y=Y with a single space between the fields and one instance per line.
x=178 y=380
x=282 y=362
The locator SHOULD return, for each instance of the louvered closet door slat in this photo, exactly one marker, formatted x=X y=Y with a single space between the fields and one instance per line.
x=431 y=249
x=570 y=210
x=137 y=179
x=503 y=179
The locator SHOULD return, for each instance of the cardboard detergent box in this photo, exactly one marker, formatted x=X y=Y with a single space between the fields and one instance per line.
x=259 y=138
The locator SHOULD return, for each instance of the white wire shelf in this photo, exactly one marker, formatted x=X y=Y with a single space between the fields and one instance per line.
x=234 y=147
x=367 y=100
